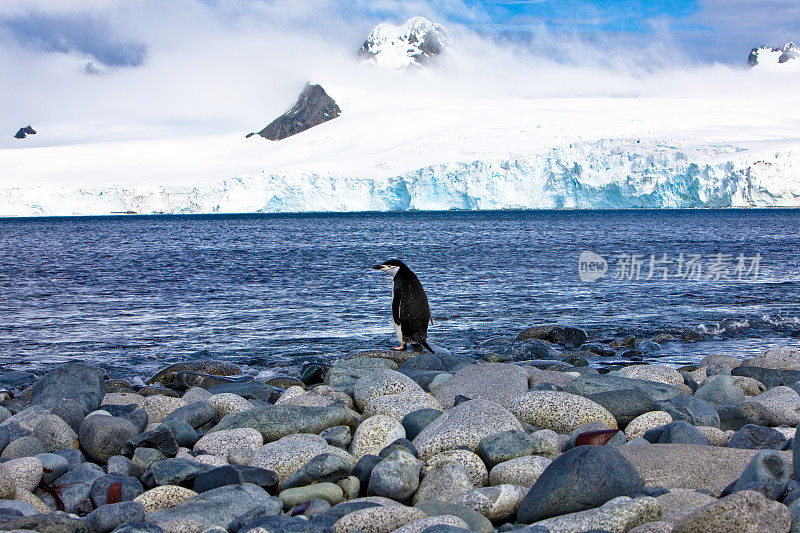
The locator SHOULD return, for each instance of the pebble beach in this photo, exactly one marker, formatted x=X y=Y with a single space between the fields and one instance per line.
x=381 y=441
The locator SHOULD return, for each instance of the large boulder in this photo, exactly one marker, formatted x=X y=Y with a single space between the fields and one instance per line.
x=224 y=507
x=777 y=357
x=579 y=479
x=499 y=382
x=277 y=421
x=464 y=425
x=619 y=515
x=748 y=510
x=689 y=466
x=76 y=383
x=560 y=411
x=313 y=108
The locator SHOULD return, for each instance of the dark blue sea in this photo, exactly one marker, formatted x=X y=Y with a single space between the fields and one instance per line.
x=272 y=291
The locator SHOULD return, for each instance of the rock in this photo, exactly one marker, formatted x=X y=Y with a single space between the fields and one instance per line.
x=415 y=421
x=473 y=465
x=715 y=436
x=23 y=447
x=521 y=471
x=495 y=503
x=378 y=519
x=641 y=424
x=26 y=472
x=171 y=472
x=74 y=489
x=7 y=485
x=166 y=376
x=53 y=466
x=768 y=376
x=324 y=467
x=290 y=453
x=55 y=434
x=278 y=524
x=734 y=416
x=721 y=389
x=400 y=444
x=749 y=386
x=475 y=521
x=338 y=436
x=223 y=442
x=508 y=445
x=374 y=434
x=499 y=382
x=164 y=497
x=16 y=508
x=108 y=517
x=277 y=421
x=748 y=510
x=381 y=383
x=396 y=477
x=363 y=468
x=313 y=108
x=443 y=482
x=758 y=438
x=345 y=373
x=561 y=487
x=158 y=407
x=464 y=425
x=677 y=504
x=554 y=333
x=597 y=348
x=195 y=414
x=104 y=436
x=329 y=492
x=76 y=382
x=113 y=488
x=49 y=523
x=538 y=377
x=768 y=474
x=216 y=477
x=679 y=432
x=160 y=438
x=658 y=373
x=399 y=405
x=248 y=389
x=625 y=405
x=142 y=459
x=425 y=523
x=560 y=411
x=122 y=398
x=688 y=466
x=696 y=411
x=227 y=403
x=778 y=357
x=618 y=515
x=588 y=384
x=782 y=405
x=228 y=508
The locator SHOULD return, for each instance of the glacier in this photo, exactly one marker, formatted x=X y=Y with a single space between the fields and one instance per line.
x=608 y=173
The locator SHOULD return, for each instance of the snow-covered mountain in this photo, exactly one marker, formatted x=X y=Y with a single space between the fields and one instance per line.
x=412 y=44
x=788 y=54
x=398 y=151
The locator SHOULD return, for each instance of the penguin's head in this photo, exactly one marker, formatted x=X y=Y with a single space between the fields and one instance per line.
x=391 y=266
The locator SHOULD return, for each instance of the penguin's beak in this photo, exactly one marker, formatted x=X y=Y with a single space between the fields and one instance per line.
x=379 y=267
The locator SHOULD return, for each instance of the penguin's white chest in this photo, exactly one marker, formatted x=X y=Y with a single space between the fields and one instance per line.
x=397 y=329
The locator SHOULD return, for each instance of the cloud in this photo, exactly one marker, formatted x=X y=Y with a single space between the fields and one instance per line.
x=193 y=67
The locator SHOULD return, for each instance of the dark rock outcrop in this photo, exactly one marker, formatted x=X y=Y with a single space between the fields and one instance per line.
x=313 y=107
x=24 y=132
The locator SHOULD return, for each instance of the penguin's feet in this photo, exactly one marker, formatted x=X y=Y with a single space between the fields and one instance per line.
x=400 y=348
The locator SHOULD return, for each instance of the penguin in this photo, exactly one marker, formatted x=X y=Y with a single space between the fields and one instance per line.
x=410 y=309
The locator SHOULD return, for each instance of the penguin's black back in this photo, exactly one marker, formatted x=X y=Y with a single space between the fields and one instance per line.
x=412 y=310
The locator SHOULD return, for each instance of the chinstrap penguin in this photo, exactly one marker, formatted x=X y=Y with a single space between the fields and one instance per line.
x=410 y=309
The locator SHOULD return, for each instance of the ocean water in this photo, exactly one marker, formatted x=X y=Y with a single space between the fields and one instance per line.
x=272 y=291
